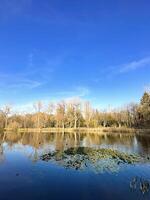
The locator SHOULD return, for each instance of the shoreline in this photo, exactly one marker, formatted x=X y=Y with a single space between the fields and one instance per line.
x=86 y=130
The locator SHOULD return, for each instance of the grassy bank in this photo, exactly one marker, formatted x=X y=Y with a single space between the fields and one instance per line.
x=90 y=130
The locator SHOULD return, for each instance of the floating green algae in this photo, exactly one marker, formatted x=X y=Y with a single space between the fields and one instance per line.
x=98 y=160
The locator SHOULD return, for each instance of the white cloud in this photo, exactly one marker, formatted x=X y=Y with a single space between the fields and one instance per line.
x=112 y=71
x=17 y=81
x=78 y=91
x=136 y=64
x=27 y=84
x=76 y=94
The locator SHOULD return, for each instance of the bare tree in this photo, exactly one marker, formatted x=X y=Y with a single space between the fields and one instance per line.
x=6 y=112
x=72 y=114
x=50 y=108
x=76 y=111
x=60 y=114
x=88 y=111
x=38 y=108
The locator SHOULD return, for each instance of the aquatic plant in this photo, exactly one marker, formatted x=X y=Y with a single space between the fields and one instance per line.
x=98 y=160
x=139 y=183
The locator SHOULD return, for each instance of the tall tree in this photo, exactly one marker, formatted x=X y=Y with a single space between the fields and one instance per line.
x=88 y=112
x=6 y=112
x=38 y=108
x=60 y=114
x=144 y=110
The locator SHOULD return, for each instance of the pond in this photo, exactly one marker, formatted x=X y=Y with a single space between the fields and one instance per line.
x=74 y=166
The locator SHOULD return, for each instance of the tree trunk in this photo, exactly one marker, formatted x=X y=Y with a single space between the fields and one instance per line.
x=6 y=122
x=75 y=124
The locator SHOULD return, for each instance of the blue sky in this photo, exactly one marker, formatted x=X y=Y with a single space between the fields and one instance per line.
x=55 y=49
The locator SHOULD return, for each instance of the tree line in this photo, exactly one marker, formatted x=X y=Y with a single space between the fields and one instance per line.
x=76 y=113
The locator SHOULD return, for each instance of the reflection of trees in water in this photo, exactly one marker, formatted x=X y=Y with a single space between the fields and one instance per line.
x=61 y=141
x=139 y=183
x=2 y=156
x=120 y=139
x=34 y=156
x=144 y=144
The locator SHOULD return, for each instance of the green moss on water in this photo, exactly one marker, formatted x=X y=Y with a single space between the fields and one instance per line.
x=95 y=159
x=98 y=154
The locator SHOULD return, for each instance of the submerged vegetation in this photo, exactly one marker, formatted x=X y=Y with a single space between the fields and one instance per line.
x=75 y=114
x=139 y=183
x=99 y=160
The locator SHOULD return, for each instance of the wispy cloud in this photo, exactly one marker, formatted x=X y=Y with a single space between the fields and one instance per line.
x=133 y=65
x=17 y=81
x=79 y=91
x=75 y=94
x=38 y=70
x=136 y=64
x=27 y=84
x=43 y=64
x=109 y=72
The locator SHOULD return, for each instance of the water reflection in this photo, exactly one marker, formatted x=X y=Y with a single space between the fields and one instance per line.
x=139 y=144
x=140 y=184
x=25 y=176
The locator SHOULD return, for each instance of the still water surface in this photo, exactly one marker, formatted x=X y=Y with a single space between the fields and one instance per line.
x=23 y=175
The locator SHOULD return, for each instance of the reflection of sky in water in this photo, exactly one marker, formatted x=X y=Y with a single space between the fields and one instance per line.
x=24 y=176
